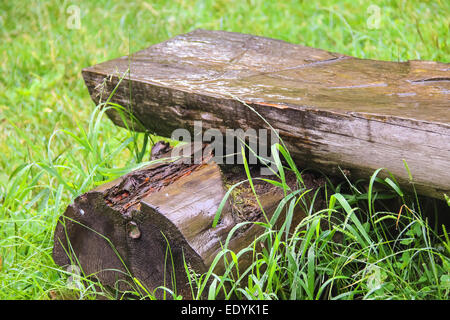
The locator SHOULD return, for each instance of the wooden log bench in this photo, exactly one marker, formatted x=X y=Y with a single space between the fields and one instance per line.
x=331 y=111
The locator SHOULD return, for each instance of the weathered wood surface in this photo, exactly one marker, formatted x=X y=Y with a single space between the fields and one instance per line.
x=123 y=227
x=331 y=109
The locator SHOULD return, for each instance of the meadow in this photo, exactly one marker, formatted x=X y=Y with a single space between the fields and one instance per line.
x=55 y=145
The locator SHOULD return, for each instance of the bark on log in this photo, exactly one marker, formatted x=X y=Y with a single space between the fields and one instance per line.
x=122 y=228
x=331 y=109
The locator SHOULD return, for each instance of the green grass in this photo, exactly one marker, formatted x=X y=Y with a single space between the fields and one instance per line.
x=55 y=145
x=353 y=249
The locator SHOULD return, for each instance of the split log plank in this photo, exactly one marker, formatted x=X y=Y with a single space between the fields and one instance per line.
x=331 y=109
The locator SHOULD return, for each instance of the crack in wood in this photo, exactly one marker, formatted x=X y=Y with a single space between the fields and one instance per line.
x=125 y=196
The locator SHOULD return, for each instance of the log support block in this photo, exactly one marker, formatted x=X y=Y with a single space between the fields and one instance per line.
x=147 y=223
